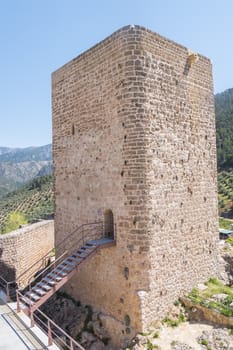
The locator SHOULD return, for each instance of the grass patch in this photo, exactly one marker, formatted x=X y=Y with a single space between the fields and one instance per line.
x=205 y=297
x=225 y=223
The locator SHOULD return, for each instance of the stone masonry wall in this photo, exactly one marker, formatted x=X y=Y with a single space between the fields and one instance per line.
x=179 y=129
x=22 y=248
x=134 y=132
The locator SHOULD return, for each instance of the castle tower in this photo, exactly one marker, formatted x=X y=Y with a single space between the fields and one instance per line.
x=134 y=147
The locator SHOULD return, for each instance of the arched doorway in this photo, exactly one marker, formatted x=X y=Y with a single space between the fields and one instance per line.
x=108 y=224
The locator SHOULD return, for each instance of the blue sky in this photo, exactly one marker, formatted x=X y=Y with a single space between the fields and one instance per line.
x=38 y=36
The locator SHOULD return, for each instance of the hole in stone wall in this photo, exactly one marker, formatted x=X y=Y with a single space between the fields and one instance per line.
x=190 y=190
x=122 y=173
x=128 y=330
x=72 y=129
x=204 y=199
x=126 y=162
x=125 y=137
x=130 y=202
x=126 y=272
x=123 y=124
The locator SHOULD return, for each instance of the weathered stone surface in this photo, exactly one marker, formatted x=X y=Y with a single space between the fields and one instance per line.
x=218 y=339
x=180 y=346
x=134 y=132
x=97 y=345
x=200 y=313
x=22 y=248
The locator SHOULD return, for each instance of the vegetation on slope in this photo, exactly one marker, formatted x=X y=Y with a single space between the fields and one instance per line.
x=224 y=126
x=225 y=193
x=34 y=200
x=20 y=165
x=207 y=297
x=13 y=221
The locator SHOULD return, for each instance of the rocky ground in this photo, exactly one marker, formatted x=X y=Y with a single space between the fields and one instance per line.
x=187 y=336
x=84 y=325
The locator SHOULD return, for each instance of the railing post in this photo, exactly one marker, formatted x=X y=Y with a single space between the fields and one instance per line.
x=71 y=344
x=32 y=318
x=50 y=339
x=18 y=304
x=8 y=298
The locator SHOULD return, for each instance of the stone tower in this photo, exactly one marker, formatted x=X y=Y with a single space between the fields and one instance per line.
x=134 y=145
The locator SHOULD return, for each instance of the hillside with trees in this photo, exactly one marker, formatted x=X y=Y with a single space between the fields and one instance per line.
x=224 y=126
x=31 y=202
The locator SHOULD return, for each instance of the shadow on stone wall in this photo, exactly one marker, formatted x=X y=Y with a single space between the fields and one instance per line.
x=8 y=273
x=229 y=267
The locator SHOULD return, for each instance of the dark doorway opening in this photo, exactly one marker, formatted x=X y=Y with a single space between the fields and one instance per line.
x=108 y=224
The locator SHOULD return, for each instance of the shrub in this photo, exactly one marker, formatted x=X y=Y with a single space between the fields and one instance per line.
x=14 y=221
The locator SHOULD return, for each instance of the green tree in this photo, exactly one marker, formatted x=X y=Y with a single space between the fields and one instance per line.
x=14 y=220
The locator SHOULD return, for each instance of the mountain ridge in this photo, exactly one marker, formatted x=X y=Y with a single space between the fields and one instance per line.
x=19 y=165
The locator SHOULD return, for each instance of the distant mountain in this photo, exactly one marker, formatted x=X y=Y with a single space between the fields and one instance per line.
x=19 y=165
x=224 y=126
x=18 y=155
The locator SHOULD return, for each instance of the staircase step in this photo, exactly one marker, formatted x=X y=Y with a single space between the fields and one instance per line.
x=91 y=243
x=76 y=256
x=73 y=259
x=54 y=276
x=84 y=250
x=26 y=301
x=64 y=267
x=33 y=296
x=70 y=263
x=61 y=273
x=44 y=286
x=39 y=291
x=49 y=281
x=89 y=247
x=81 y=254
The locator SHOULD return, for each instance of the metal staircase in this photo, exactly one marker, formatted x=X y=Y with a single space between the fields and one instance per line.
x=58 y=273
x=47 y=275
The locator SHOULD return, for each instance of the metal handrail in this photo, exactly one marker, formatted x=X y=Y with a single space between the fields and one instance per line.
x=52 y=335
x=46 y=269
x=75 y=231
x=6 y=287
x=53 y=271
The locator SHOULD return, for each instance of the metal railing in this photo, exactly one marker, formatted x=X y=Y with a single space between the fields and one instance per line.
x=54 y=333
x=73 y=241
x=7 y=287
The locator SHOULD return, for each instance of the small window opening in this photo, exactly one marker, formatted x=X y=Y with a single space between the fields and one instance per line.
x=73 y=129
